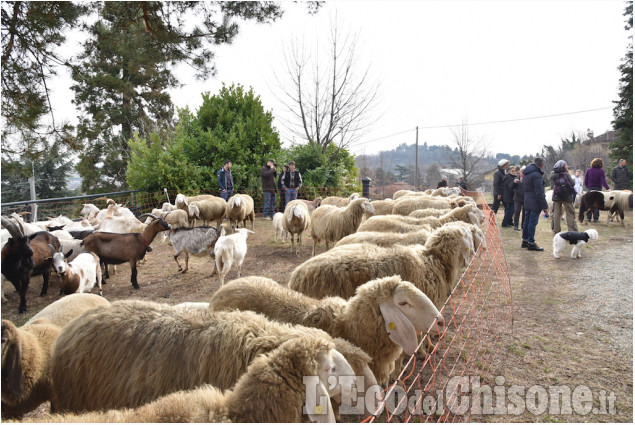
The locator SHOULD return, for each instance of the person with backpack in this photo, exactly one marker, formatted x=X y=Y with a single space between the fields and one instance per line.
x=563 y=194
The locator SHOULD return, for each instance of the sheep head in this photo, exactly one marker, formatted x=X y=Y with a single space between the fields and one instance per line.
x=180 y=201
x=12 y=373
x=193 y=210
x=367 y=207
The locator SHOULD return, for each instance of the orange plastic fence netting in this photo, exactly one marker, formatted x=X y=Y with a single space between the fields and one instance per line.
x=478 y=316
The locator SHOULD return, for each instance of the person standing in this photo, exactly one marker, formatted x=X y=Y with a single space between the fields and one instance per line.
x=292 y=182
x=620 y=177
x=563 y=194
x=268 y=175
x=509 y=185
x=577 y=186
x=498 y=183
x=443 y=182
x=535 y=202
x=519 y=201
x=594 y=179
x=283 y=198
x=460 y=183
x=225 y=180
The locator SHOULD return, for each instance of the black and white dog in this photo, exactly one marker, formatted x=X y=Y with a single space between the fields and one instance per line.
x=577 y=239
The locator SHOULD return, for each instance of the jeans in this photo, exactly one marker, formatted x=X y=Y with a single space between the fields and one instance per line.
x=529 y=226
x=226 y=194
x=291 y=195
x=270 y=204
x=508 y=219
x=519 y=207
x=283 y=200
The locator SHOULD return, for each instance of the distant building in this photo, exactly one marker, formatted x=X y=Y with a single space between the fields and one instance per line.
x=603 y=140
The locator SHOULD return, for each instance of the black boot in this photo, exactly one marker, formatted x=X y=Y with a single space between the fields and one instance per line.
x=533 y=247
x=525 y=244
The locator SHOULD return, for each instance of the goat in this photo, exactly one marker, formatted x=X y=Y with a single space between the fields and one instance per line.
x=118 y=248
x=120 y=224
x=193 y=240
x=80 y=275
x=229 y=251
x=17 y=260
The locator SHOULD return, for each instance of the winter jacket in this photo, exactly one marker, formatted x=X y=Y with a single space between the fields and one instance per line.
x=594 y=177
x=498 y=181
x=508 y=188
x=620 y=179
x=268 y=177
x=552 y=178
x=297 y=179
x=519 y=193
x=578 y=185
x=442 y=183
x=534 y=188
x=224 y=179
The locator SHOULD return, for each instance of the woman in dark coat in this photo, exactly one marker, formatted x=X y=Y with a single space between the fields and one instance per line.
x=510 y=181
x=519 y=202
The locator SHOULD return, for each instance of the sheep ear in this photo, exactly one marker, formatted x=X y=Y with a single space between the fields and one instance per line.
x=12 y=374
x=399 y=327
x=318 y=404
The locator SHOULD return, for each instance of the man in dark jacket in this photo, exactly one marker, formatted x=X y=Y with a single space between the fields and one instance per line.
x=510 y=181
x=291 y=182
x=225 y=180
x=460 y=183
x=535 y=201
x=283 y=198
x=619 y=176
x=519 y=202
x=498 y=183
x=268 y=175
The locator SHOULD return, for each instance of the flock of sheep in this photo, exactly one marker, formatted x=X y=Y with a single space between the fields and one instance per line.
x=347 y=316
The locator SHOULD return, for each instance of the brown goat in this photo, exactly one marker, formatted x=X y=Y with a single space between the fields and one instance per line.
x=118 y=248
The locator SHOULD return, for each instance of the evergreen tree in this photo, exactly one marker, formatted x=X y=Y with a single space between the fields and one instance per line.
x=623 y=111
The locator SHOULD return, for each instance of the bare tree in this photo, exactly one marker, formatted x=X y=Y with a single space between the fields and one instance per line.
x=467 y=153
x=329 y=101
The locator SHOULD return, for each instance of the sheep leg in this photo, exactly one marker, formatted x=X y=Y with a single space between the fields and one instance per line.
x=176 y=258
x=133 y=274
x=187 y=262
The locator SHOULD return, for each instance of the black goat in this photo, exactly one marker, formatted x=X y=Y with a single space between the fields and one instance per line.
x=80 y=234
x=25 y=256
x=118 y=248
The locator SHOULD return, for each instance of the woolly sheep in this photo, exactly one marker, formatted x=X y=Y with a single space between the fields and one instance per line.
x=278 y=227
x=446 y=191
x=402 y=224
x=367 y=320
x=383 y=207
x=272 y=390
x=312 y=205
x=208 y=210
x=338 y=201
x=432 y=268
x=296 y=220
x=176 y=218
x=388 y=239
x=230 y=251
x=240 y=207
x=330 y=223
x=403 y=192
x=408 y=204
x=428 y=212
x=26 y=353
x=146 y=350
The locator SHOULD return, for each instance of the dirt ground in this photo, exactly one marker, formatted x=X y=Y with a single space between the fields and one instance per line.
x=572 y=318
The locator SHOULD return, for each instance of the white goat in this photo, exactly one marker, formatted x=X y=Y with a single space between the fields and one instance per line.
x=80 y=275
x=230 y=250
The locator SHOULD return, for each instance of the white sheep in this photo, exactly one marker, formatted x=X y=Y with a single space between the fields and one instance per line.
x=339 y=201
x=146 y=350
x=80 y=275
x=312 y=205
x=429 y=212
x=388 y=239
x=279 y=232
x=407 y=204
x=330 y=223
x=383 y=207
x=229 y=252
x=296 y=220
x=240 y=207
x=382 y=318
x=432 y=268
x=290 y=384
x=207 y=210
x=26 y=353
x=394 y=223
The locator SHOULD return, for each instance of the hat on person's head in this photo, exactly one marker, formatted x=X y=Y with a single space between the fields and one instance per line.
x=560 y=164
x=502 y=162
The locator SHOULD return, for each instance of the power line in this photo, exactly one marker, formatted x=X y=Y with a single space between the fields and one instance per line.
x=481 y=123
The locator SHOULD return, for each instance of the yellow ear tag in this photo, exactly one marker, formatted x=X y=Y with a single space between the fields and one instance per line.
x=392 y=326
x=318 y=410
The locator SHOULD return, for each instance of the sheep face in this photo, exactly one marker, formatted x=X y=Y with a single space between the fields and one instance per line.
x=417 y=308
x=368 y=208
x=180 y=201
x=332 y=366
x=193 y=211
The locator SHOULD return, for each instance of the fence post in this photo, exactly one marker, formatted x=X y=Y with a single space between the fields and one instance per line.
x=33 y=205
x=366 y=187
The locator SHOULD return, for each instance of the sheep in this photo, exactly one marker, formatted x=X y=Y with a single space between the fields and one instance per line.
x=80 y=275
x=273 y=389
x=118 y=248
x=198 y=306
x=383 y=207
x=155 y=212
x=429 y=212
x=120 y=224
x=168 y=207
x=312 y=205
x=388 y=239
x=338 y=201
x=402 y=224
x=193 y=240
x=278 y=227
x=363 y=320
x=240 y=207
x=26 y=353
x=432 y=267
x=330 y=223
x=135 y=343
x=297 y=219
x=207 y=210
x=408 y=204
x=446 y=191
x=230 y=251
x=403 y=192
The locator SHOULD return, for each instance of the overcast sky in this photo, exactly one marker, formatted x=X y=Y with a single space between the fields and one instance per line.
x=441 y=63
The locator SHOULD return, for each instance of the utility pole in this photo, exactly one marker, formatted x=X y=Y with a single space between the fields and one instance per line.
x=417 y=160
x=32 y=187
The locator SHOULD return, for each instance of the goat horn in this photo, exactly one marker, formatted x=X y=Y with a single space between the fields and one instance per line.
x=52 y=249
x=149 y=215
x=12 y=227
